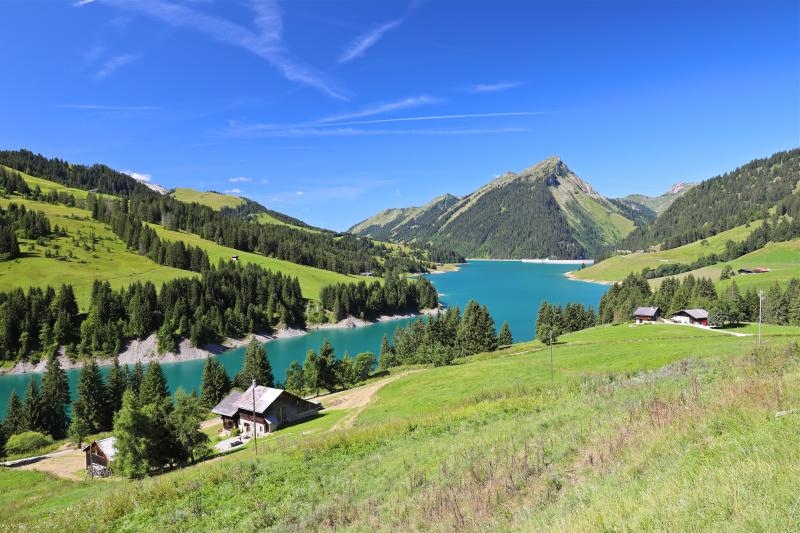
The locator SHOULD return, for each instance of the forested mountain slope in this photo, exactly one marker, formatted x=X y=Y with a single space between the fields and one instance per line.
x=722 y=202
x=544 y=211
x=345 y=254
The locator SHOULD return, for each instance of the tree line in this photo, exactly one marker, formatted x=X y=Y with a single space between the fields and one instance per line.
x=721 y=203
x=226 y=301
x=16 y=218
x=727 y=306
x=553 y=320
x=369 y=301
x=780 y=230
x=343 y=253
x=441 y=338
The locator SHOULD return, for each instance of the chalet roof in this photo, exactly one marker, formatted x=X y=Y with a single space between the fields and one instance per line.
x=264 y=398
x=646 y=311
x=107 y=446
x=227 y=407
x=697 y=314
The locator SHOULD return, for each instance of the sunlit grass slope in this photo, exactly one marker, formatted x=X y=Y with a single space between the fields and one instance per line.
x=617 y=267
x=311 y=279
x=782 y=258
x=214 y=200
x=79 y=265
x=652 y=428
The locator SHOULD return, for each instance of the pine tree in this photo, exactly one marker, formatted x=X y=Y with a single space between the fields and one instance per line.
x=327 y=366
x=295 y=380
x=154 y=385
x=116 y=385
x=91 y=404
x=55 y=400
x=505 y=338
x=255 y=367
x=131 y=431
x=311 y=372
x=547 y=326
x=216 y=383
x=12 y=423
x=135 y=378
x=9 y=248
x=31 y=419
x=386 y=357
x=185 y=421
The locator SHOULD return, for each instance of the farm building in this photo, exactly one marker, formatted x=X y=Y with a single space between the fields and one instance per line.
x=646 y=314
x=100 y=452
x=691 y=316
x=273 y=408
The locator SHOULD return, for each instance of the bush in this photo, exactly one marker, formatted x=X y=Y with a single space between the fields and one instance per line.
x=27 y=442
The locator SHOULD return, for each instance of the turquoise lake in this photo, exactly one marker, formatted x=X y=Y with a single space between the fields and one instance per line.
x=511 y=289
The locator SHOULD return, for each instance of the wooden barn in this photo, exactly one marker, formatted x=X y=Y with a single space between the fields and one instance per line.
x=100 y=452
x=698 y=317
x=273 y=409
x=643 y=315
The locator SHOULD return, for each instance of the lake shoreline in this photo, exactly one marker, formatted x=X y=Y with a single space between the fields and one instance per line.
x=145 y=351
x=571 y=275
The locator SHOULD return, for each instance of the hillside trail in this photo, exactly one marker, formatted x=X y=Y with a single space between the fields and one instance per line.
x=357 y=399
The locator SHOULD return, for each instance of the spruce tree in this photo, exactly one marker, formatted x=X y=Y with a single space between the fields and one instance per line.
x=154 y=385
x=295 y=380
x=505 y=338
x=547 y=327
x=135 y=378
x=116 y=384
x=91 y=405
x=311 y=372
x=386 y=357
x=31 y=419
x=327 y=366
x=255 y=367
x=12 y=423
x=55 y=399
x=185 y=422
x=131 y=431
x=9 y=249
x=216 y=383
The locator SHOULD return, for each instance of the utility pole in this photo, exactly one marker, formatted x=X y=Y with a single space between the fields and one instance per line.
x=552 y=378
x=760 y=297
x=255 y=435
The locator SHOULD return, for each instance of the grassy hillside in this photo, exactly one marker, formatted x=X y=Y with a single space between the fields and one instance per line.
x=617 y=267
x=79 y=266
x=311 y=279
x=267 y=218
x=214 y=200
x=47 y=185
x=782 y=258
x=647 y=428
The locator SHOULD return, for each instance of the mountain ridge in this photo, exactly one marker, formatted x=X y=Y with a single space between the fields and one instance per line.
x=506 y=217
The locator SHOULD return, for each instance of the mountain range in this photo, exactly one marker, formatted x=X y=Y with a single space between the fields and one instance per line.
x=545 y=210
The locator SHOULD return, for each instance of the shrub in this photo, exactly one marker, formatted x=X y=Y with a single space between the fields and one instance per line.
x=27 y=442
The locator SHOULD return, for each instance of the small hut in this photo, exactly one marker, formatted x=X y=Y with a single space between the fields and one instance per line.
x=99 y=455
x=644 y=315
x=697 y=317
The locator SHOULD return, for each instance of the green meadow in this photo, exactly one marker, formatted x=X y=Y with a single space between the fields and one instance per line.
x=77 y=263
x=617 y=267
x=311 y=279
x=214 y=200
x=649 y=428
x=782 y=258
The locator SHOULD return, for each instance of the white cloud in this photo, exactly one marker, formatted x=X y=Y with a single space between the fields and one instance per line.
x=112 y=65
x=144 y=178
x=240 y=179
x=342 y=128
x=299 y=193
x=366 y=41
x=495 y=87
x=264 y=181
x=233 y=191
x=80 y=3
x=377 y=109
x=266 y=43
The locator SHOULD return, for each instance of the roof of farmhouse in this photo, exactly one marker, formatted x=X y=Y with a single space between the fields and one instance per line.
x=646 y=311
x=264 y=396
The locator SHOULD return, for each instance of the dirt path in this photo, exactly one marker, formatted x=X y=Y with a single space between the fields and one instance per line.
x=357 y=400
x=67 y=464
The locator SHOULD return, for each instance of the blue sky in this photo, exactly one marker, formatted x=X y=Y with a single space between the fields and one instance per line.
x=330 y=111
